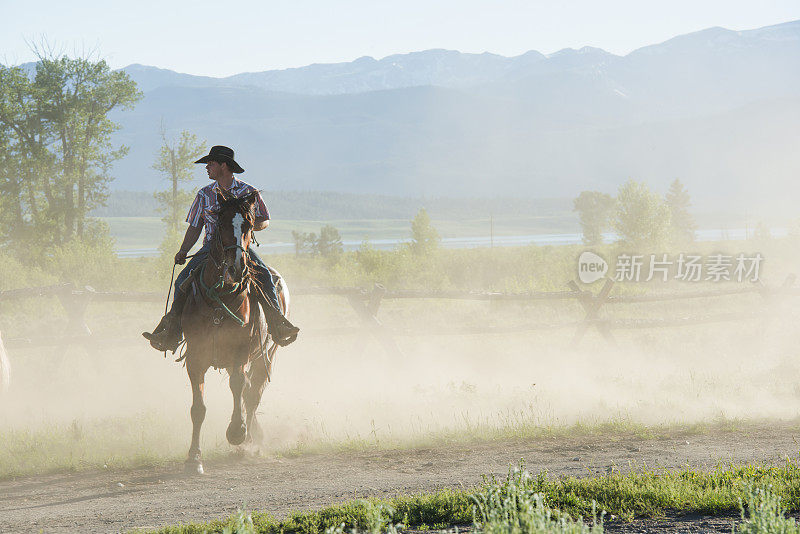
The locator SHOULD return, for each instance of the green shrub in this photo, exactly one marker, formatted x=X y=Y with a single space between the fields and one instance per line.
x=766 y=514
x=513 y=506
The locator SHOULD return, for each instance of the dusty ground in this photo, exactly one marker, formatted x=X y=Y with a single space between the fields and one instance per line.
x=108 y=501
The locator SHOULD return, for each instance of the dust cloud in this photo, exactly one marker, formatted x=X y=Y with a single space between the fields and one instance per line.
x=345 y=388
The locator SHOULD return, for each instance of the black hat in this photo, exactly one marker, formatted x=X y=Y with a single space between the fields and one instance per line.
x=222 y=154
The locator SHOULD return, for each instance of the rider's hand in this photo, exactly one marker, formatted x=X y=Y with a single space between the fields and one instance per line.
x=180 y=257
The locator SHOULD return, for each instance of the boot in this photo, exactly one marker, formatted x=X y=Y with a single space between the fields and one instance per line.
x=282 y=331
x=168 y=335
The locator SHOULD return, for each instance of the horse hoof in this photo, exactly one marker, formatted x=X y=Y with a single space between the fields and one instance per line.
x=193 y=467
x=236 y=433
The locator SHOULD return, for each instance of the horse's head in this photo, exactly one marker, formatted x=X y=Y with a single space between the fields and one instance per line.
x=235 y=218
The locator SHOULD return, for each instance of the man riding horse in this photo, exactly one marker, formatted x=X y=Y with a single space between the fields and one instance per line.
x=221 y=167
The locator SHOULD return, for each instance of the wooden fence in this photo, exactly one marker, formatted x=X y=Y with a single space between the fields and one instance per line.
x=366 y=304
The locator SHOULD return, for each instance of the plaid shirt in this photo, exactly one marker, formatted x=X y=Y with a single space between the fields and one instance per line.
x=202 y=210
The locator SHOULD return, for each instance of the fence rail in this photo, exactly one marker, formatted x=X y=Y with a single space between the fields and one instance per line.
x=366 y=303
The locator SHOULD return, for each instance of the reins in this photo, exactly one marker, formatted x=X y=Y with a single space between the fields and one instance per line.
x=171 y=280
x=169 y=292
x=215 y=293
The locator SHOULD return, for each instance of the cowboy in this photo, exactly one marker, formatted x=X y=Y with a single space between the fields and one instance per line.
x=220 y=167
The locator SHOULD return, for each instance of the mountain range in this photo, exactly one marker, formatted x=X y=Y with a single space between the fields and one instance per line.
x=718 y=109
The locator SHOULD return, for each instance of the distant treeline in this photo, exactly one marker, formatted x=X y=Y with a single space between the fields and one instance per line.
x=326 y=206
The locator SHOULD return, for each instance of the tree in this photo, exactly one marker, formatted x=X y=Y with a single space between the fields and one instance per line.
x=76 y=95
x=681 y=221
x=642 y=218
x=302 y=242
x=175 y=161
x=30 y=204
x=424 y=237
x=329 y=242
x=58 y=136
x=594 y=212
x=762 y=232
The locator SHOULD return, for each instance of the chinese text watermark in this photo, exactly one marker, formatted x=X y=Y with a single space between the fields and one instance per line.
x=664 y=267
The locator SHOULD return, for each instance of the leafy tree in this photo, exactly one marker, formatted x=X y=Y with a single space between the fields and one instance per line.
x=10 y=188
x=57 y=135
x=303 y=242
x=594 y=211
x=175 y=161
x=30 y=203
x=682 y=223
x=424 y=237
x=642 y=218
x=329 y=242
x=75 y=97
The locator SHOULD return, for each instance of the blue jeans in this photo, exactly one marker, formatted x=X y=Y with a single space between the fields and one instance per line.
x=262 y=275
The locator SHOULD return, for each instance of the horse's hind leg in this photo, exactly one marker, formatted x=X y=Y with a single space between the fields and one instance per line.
x=194 y=463
x=252 y=398
x=237 y=429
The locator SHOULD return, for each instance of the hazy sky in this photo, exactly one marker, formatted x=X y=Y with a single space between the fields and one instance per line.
x=223 y=38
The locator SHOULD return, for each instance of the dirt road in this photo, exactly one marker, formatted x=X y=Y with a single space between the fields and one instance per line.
x=109 y=501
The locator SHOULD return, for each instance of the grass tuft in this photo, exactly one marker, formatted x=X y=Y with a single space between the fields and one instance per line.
x=765 y=514
x=523 y=501
x=514 y=507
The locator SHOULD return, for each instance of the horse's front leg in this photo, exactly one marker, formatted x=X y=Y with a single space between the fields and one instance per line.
x=197 y=376
x=237 y=430
x=252 y=397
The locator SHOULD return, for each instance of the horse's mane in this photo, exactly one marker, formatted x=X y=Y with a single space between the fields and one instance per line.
x=244 y=205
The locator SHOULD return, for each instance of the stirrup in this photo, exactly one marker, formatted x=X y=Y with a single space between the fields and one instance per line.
x=165 y=337
x=162 y=325
x=163 y=341
x=287 y=333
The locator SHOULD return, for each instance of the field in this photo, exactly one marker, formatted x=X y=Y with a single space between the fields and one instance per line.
x=146 y=232
x=94 y=439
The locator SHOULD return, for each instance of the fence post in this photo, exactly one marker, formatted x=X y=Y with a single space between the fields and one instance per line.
x=378 y=291
x=368 y=314
x=74 y=303
x=591 y=305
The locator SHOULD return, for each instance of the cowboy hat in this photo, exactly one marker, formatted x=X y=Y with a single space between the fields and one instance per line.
x=222 y=154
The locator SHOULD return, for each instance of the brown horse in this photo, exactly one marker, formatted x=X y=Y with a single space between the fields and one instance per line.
x=225 y=328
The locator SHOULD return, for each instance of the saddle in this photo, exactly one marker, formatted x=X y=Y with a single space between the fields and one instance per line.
x=217 y=316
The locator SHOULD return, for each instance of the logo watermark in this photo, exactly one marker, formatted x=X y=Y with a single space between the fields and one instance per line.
x=591 y=267
x=682 y=267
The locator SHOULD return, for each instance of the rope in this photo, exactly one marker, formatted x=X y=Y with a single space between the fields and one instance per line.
x=214 y=294
x=169 y=291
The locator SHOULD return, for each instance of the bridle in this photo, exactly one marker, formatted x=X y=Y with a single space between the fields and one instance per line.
x=217 y=292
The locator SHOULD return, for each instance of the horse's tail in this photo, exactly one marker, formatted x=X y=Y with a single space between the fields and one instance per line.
x=284 y=296
x=284 y=300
